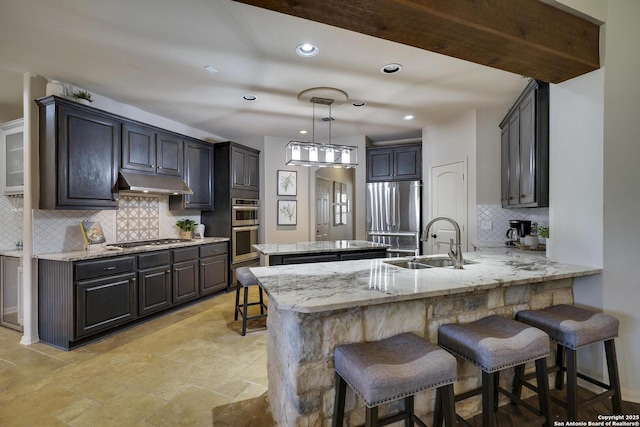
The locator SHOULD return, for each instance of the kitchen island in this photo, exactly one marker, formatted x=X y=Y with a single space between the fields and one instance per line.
x=321 y=251
x=316 y=308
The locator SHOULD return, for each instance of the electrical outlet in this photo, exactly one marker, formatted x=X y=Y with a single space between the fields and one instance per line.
x=487 y=225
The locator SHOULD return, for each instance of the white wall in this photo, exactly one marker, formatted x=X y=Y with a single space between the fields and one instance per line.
x=576 y=190
x=622 y=185
x=488 y=156
x=450 y=142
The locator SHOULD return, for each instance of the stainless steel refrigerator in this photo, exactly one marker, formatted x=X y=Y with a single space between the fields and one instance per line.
x=393 y=215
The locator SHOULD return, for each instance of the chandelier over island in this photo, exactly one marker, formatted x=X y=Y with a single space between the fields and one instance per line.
x=312 y=153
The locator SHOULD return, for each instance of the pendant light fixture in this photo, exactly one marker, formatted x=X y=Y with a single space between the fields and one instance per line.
x=312 y=153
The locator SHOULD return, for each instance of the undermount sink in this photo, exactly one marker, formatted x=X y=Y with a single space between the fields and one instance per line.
x=426 y=262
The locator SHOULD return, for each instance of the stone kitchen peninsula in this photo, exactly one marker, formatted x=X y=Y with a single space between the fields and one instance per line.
x=316 y=307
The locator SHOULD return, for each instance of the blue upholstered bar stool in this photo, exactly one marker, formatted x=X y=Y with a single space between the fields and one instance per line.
x=572 y=328
x=494 y=344
x=246 y=279
x=392 y=369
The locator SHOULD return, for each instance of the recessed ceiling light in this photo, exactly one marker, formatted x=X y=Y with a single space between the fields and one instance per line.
x=306 y=49
x=408 y=117
x=250 y=97
x=359 y=103
x=210 y=69
x=391 y=68
x=303 y=132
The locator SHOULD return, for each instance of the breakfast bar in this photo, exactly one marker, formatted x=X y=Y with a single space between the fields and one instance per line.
x=316 y=307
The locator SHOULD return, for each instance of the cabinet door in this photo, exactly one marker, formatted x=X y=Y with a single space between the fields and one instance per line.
x=527 y=186
x=380 y=164
x=138 y=147
x=88 y=155
x=169 y=154
x=154 y=289
x=104 y=303
x=504 y=161
x=199 y=175
x=514 y=159
x=214 y=274
x=185 y=281
x=12 y=156
x=238 y=171
x=407 y=162
x=252 y=172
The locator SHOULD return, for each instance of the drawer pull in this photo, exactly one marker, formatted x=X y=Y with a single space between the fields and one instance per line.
x=113 y=267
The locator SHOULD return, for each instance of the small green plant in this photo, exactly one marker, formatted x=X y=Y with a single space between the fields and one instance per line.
x=543 y=231
x=82 y=94
x=186 y=224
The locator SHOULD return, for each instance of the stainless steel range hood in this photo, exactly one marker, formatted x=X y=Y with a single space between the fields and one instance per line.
x=131 y=182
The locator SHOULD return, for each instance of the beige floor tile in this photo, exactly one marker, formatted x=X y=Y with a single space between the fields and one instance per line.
x=192 y=407
x=185 y=368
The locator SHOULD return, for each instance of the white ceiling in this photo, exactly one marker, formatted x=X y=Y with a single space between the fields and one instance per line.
x=151 y=54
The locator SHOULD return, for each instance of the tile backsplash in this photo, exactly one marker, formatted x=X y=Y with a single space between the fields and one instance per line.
x=11 y=221
x=137 y=218
x=500 y=217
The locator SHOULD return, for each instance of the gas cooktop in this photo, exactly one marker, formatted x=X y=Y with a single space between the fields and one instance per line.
x=156 y=242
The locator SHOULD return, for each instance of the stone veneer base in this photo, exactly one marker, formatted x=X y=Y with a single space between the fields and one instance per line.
x=300 y=347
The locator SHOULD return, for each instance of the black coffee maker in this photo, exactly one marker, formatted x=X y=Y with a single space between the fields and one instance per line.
x=513 y=233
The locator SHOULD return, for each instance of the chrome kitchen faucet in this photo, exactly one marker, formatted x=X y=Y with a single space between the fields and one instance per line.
x=456 y=256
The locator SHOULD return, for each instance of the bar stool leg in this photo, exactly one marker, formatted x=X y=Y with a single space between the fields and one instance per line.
x=338 y=406
x=371 y=417
x=408 y=408
x=488 y=399
x=518 y=374
x=572 y=384
x=445 y=408
x=544 y=398
x=235 y=316
x=244 y=311
x=560 y=364
x=496 y=395
x=614 y=379
x=261 y=301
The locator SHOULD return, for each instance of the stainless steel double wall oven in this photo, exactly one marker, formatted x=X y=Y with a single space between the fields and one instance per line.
x=245 y=228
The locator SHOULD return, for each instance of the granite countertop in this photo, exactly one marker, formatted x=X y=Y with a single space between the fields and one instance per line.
x=317 y=247
x=101 y=252
x=345 y=284
x=11 y=252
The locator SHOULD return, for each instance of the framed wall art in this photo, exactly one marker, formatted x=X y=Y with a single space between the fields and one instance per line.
x=287 y=183
x=287 y=212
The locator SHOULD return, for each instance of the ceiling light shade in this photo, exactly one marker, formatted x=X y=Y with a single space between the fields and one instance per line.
x=303 y=153
x=312 y=153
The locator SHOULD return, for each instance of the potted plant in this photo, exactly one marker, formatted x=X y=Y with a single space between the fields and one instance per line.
x=186 y=226
x=82 y=96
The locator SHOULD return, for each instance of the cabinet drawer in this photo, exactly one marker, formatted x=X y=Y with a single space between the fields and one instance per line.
x=154 y=259
x=185 y=254
x=213 y=250
x=106 y=267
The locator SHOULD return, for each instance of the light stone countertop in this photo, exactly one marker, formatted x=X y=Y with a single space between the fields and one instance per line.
x=101 y=252
x=11 y=252
x=316 y=247
x=329 y=286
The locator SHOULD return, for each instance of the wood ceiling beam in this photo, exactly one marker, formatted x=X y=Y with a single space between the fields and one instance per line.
x=526 y=37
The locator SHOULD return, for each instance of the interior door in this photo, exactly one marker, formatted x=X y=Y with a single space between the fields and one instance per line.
x=448 y=198
x=323 y=197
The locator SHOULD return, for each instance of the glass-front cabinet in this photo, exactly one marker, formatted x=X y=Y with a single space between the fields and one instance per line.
x=12 y=179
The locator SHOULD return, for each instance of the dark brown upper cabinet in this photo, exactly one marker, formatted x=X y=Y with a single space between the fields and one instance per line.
x=394 y=163
x=198 y=174
x=525 y=149
x=79 y=155
x=244 y=168
x=150 y=150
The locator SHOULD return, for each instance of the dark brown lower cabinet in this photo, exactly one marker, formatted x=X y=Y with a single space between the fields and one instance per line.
x=327 y=256
x=83 y=300
x=185 y=281
x=104 y=303
x=154 y=282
